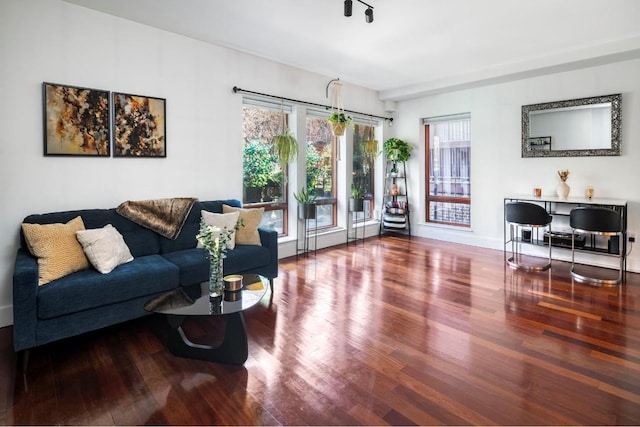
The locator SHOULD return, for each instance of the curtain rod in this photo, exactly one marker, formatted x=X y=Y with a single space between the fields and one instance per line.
x=327 y=107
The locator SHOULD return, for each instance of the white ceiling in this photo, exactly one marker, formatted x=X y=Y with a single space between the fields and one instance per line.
x=413 y=47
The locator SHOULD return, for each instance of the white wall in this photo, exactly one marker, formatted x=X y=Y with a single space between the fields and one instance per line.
x=498 y=170
x=53 y=41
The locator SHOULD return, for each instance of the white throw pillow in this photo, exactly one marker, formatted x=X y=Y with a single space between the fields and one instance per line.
x=105 y=248
x=226 y=220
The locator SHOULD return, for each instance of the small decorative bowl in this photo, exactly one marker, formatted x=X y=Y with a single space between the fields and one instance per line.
x=233 y=282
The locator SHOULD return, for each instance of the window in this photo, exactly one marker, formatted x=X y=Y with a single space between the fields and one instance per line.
x=263 y=176
x=320 y=168
x=448 y=162
x=364 y=154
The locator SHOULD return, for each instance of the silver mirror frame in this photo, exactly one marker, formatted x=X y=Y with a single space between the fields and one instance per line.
x=616 y=119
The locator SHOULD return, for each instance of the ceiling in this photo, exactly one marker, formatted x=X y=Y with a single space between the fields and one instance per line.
x=413 y=47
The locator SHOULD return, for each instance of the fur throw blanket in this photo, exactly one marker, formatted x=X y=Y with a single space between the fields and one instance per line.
x=164 y=216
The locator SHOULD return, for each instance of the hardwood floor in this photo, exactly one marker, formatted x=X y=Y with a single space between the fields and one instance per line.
x=395 y=331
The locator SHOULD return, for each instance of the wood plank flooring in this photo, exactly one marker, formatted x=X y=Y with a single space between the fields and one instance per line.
x=397 y=331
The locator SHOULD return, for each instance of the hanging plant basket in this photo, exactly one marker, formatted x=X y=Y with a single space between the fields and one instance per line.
x=338 y=128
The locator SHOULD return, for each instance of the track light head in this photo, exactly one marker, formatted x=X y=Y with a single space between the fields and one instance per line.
x=369 y=15
x=348 y=7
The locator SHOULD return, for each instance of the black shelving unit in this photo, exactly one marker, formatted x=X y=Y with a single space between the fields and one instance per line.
x=395 y=207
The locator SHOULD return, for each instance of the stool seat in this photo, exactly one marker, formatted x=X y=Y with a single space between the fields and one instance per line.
x=525 y=218
x=596 y=221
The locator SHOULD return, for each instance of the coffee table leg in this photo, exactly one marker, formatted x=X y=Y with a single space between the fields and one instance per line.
x=233 y=350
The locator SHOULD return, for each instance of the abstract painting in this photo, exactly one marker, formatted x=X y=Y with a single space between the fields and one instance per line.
x=139 y=126
x=76 y=121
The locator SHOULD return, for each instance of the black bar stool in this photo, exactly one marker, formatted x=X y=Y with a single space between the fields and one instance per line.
x=597 y=221
x=526 y=217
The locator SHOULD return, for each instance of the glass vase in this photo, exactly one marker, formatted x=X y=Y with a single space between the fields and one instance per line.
x=216 y=281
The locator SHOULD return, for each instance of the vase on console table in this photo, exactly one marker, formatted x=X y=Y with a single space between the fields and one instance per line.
x=562 y=190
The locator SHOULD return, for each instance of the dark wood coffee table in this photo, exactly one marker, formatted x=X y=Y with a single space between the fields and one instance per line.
x=194 y=300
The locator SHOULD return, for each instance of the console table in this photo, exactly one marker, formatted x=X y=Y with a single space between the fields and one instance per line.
x=560 y=235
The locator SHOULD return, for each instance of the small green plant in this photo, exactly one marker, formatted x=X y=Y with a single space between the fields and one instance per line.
x=397 y=149
x=356 y=192
x=337 y=117
x=304 y=196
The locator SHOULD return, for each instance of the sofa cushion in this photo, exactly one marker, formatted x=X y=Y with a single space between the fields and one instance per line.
x=104 y=247
x=140 y=240
x=245 y=258
x=193 y=264
x=187 y=237
x=58 y=251
x=89 y=289
x=226 y=222
x=250 y=220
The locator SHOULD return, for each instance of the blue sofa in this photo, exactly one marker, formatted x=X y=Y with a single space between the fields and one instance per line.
x=88 y=300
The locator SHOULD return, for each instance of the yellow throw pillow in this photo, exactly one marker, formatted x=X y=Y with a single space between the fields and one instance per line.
x=58 y=251
x=247 y=234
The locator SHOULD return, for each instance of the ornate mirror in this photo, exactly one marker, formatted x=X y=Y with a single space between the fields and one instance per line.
x=577 y=127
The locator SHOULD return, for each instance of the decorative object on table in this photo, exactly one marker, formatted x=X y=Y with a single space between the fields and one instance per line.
x=589 y=192
x=537 y=192
x=397 y=150
x=285 y=144
x=233 y=282
x=76 y=121
x=562 y=190
x=214 y=240
x=139 y=126
x=306 y=203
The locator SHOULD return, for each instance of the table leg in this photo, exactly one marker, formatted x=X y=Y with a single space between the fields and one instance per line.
x=233 y=350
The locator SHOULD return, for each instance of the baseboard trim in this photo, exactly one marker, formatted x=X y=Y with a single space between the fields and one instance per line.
x=6 y=316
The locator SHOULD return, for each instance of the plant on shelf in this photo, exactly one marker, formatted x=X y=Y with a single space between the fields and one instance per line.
x=397 y=150
x=339 y=122
x=306 y=203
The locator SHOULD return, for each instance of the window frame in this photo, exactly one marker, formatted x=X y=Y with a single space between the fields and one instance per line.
x=321 y=115
x=429 y=198
x=283 y=205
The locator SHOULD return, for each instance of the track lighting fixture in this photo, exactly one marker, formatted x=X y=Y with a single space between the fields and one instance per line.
x=348 y=7
x=368 y=14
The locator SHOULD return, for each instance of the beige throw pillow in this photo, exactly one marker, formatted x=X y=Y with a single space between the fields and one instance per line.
x=105 y=247
x=247 y=234
x=223 y=220
x=58 y=251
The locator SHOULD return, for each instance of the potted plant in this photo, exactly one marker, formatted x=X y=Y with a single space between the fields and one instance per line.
x=397 y=150
x=285 y=146
x=306 y=203
x=339 y=122
x=370 y=148
x=356 y=202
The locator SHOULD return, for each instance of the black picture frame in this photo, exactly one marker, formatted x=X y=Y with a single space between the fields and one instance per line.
x=76 y=121
x=139 y=125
